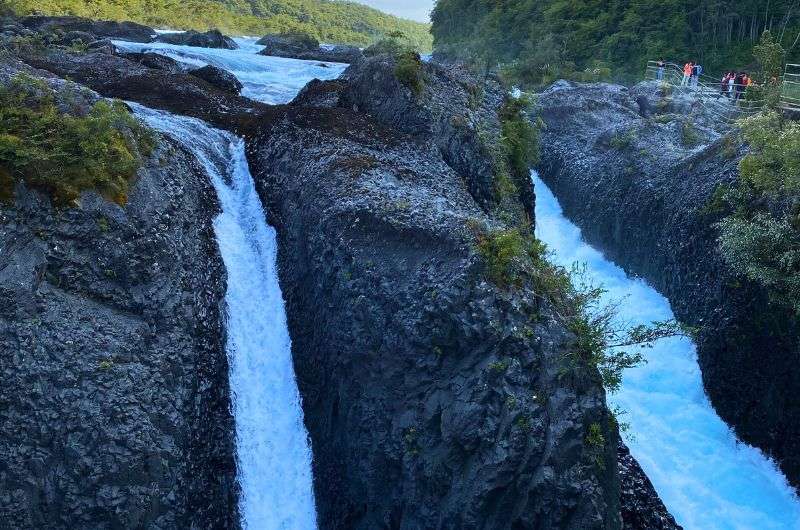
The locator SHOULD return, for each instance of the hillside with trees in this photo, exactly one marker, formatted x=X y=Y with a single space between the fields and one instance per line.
x=540 y=40
x=329 y=21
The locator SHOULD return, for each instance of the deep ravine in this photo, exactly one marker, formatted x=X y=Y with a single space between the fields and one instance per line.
x=707 y=479
x=272 y=450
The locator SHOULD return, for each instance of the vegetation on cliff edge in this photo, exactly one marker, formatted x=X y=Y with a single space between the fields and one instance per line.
x=760 y=235
x=53 y=141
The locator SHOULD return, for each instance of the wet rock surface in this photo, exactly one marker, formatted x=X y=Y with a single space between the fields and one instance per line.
x=138 y=79
x=642 y=509
x=307 y=48
x=222 y=79
x=638 y=188
x=114 y=398
x=129 y=31
x=209 y=39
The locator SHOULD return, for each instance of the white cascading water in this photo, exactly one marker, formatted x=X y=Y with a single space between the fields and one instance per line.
x=706 y=478
x=273 y=451
x=268 y=79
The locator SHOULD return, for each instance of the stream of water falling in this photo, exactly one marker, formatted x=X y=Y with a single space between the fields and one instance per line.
x=272 y=446
x=706 y=478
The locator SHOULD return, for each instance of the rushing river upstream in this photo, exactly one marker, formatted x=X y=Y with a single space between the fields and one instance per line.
x=707 y=479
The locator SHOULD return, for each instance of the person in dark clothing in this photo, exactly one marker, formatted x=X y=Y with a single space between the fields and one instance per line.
x=660 y=69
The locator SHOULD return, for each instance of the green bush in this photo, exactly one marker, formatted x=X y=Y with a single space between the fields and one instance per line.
x=760 y=236
x=98 y=148
x=520 y=137
x=408 y=71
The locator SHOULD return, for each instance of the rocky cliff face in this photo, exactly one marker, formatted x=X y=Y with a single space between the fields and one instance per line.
x=432 y=397
x=113 y=375
x=637 y=180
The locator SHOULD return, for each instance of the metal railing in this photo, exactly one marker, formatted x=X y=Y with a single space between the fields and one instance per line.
x=728 y=103
x=790 y=88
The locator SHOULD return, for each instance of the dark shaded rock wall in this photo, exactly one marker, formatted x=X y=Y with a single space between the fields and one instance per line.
x=114 y=399
x=639 y=192
x=433 y=398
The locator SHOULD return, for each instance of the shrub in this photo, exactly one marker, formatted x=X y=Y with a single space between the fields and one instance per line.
x=391 y=46
x=99 y=148
x=622 y=141
x=765 y=250
x=408 y=71
x=760 y=237
x=689 y=135
x=520 y=137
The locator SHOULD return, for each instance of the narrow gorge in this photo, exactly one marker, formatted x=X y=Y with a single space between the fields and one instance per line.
x=324 y=303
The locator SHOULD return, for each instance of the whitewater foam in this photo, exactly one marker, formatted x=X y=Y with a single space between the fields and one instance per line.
x=272 y=446
x=272 y=80
x=706 y=478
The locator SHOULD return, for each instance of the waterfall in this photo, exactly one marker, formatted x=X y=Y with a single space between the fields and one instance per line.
x=706 y=478
x=273 y=453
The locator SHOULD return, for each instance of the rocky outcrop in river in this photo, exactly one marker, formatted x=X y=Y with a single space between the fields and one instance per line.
x=638 y=180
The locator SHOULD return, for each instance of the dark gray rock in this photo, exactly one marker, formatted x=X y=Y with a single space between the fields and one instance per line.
x=320 y=94
x=433 y=398
x=129 y=31
x=288 y=44
x=457 y=112
x=330 y=54
x=156 y=61
x=642 y=509
x=639 y=191
x=103 y=46
x=222 y=79
x=114 y=394
x=182 y=93
x=209 y=39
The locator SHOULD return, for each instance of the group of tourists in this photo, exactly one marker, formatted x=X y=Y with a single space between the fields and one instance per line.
x=734 y=84
x=691 y=74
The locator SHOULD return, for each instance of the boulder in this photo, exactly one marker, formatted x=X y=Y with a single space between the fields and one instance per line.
x=427 y=402
x=157 y=61
x=222 y=79
x=209 y=39
x=275 y=44
x=129 y=31
x=103 y=46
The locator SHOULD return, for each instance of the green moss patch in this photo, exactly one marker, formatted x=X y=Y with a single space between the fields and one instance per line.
x=64 y=149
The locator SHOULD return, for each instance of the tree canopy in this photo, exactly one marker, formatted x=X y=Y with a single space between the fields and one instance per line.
x=542 y=39
x=329 y=21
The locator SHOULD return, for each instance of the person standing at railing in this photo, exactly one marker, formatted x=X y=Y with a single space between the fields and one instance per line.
x=723 y=87
x=731 y=82
x=687 y=73
x=660 y=69
x=696 y=71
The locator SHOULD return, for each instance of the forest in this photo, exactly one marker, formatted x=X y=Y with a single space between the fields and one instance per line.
x=537 y=41
x=329 y=21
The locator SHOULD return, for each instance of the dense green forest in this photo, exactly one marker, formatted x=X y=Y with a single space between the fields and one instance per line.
x=330 y=21
x=540 y=40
